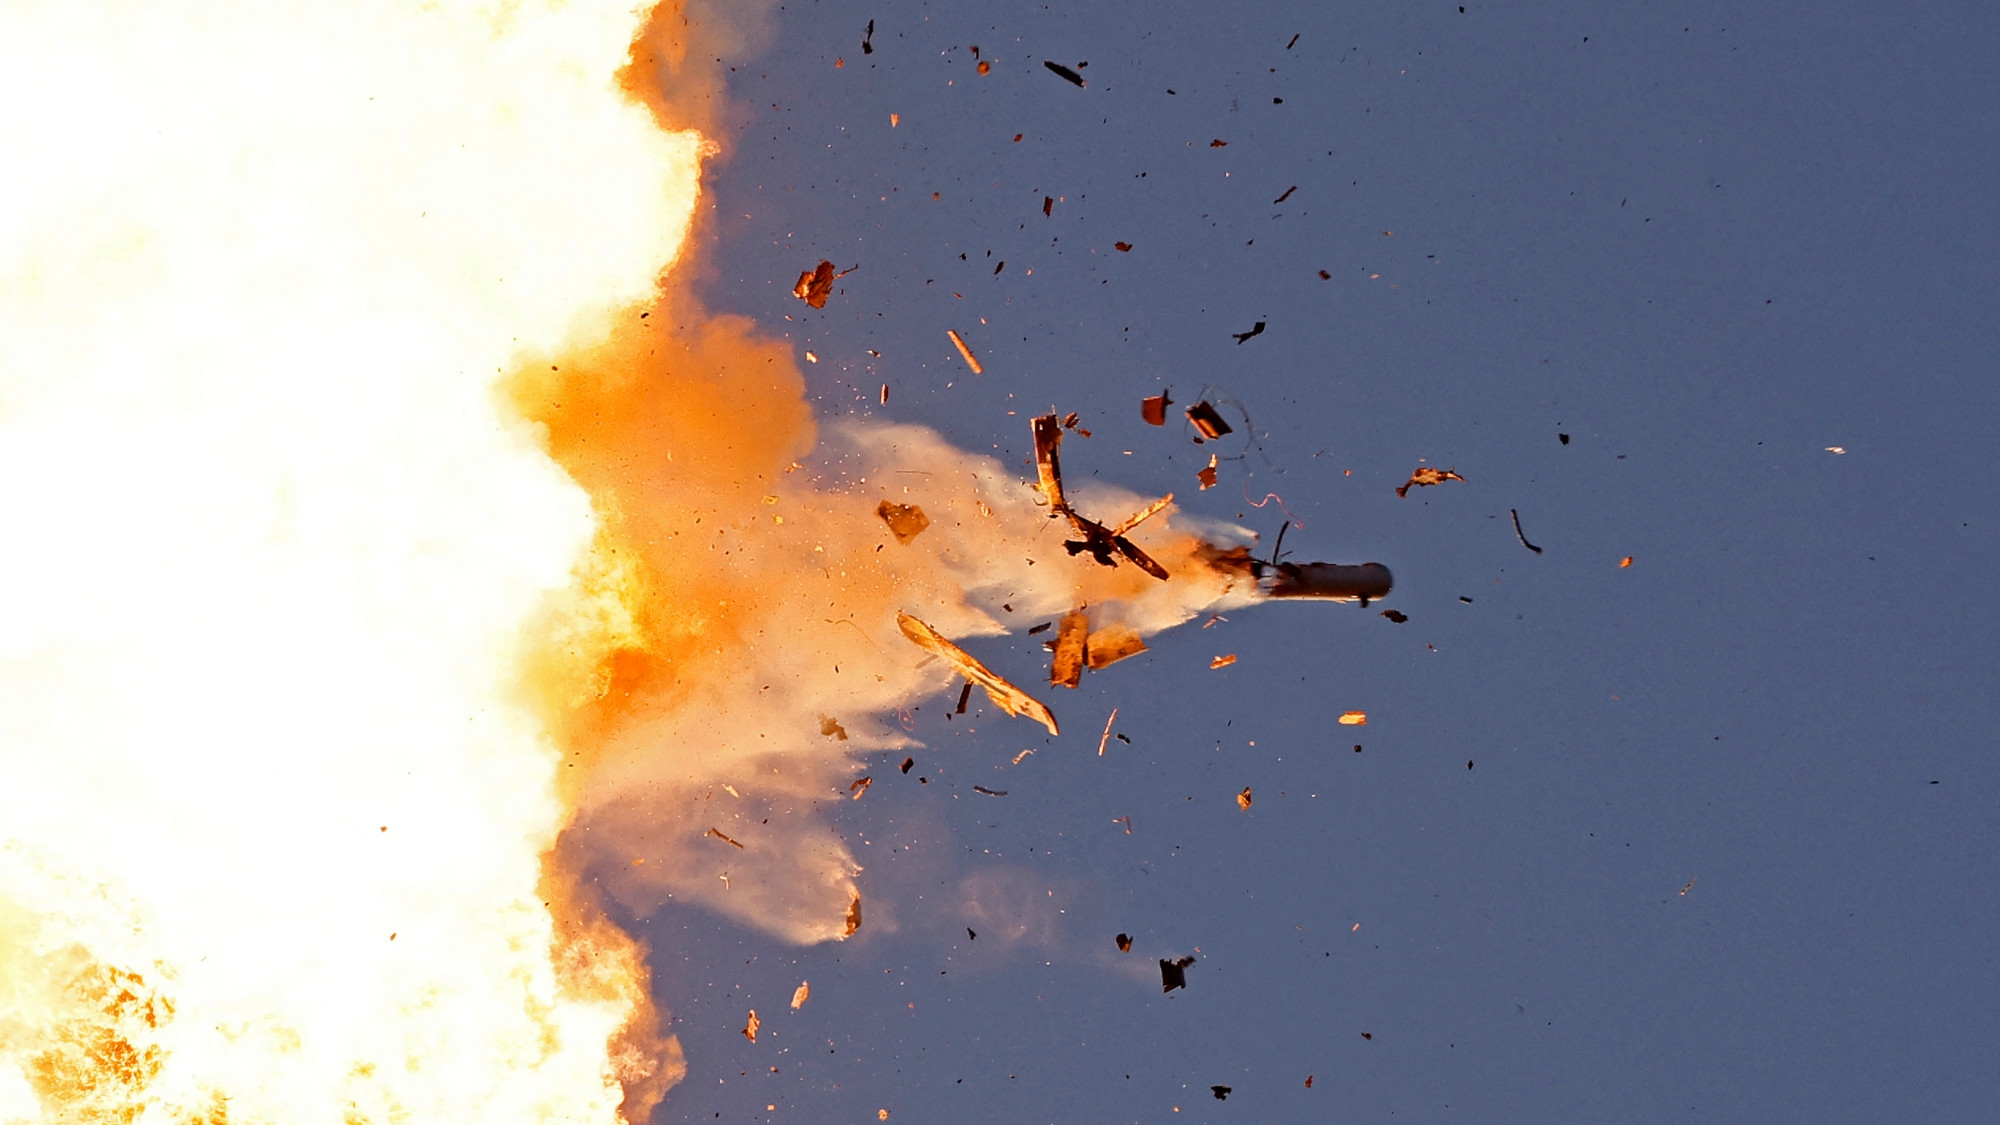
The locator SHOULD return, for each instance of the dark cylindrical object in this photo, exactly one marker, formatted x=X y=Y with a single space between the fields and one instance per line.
x=1333 y=581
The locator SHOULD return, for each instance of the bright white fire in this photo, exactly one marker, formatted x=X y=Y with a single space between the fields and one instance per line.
x=270 y=830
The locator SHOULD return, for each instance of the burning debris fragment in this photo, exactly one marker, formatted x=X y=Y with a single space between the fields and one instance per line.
x=906 y=521
x=1004 y=695
x=1173 y=974
x=1243 y=799
x=800 y=994
x=1124 y=943
x=1154 y=408
x=1426 y=476
x=1354 y=719
x=1071 y=645
x=1208 y=420
x=816 y=285
x=1101 y=543
x=1109 y=645
x=860 y=787
x=1223 y=661
x=853 y=916
x=1064 y=73
x=965 y=350
x=751 y=1025
x=1207 y=475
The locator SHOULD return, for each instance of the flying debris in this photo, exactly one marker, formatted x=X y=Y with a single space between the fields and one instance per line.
x=1004 y=695
x=1221 y=1092
x=1354 y=719
x=958 y=342
x=989 y=792
x=1690 y=884
x=1048 y=205
x=1122 y=247
x=1218 y=143
x=751 y=1025
x=1518 y=533
x=1101 y=543
x=906 y=521
x=1071 y=646
x=1124 y=943
x=1287 y=195
x=1425 y=476
x=1207 y=475
x=1154 y=408
x=1106 y=736
x=816 y=285
x=1042 y=628
x=1392 y=615
x=1064 y=73
x=964 y=697
x=1018 y=758
x=853 y=916
x=1173 y=974
x=867 y=48
x=1109 y=645
x=717 y=833
x=1625 y=562
x=1208 y=420
x=907 y=763
x=1256 y=329
x=860 y=787
x=1223 y=661
x=831 y=728
x=800 y=994
x=1243 y=799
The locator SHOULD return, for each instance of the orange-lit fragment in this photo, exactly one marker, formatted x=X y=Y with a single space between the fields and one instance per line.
x=1243 y=798
x=1354 y=719
x=800 y=994
x=751 y=1025
x=1226 y=661
x=1626 y=561
x=1207 y=475
x=963 y=350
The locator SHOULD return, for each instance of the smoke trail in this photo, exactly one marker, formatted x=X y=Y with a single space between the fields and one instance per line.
x=742 y=591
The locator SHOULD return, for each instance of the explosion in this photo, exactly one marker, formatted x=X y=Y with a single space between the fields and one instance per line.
x=274 y=814
x=400 y=548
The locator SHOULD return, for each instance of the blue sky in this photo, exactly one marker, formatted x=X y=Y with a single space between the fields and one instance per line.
x=1706 y=243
